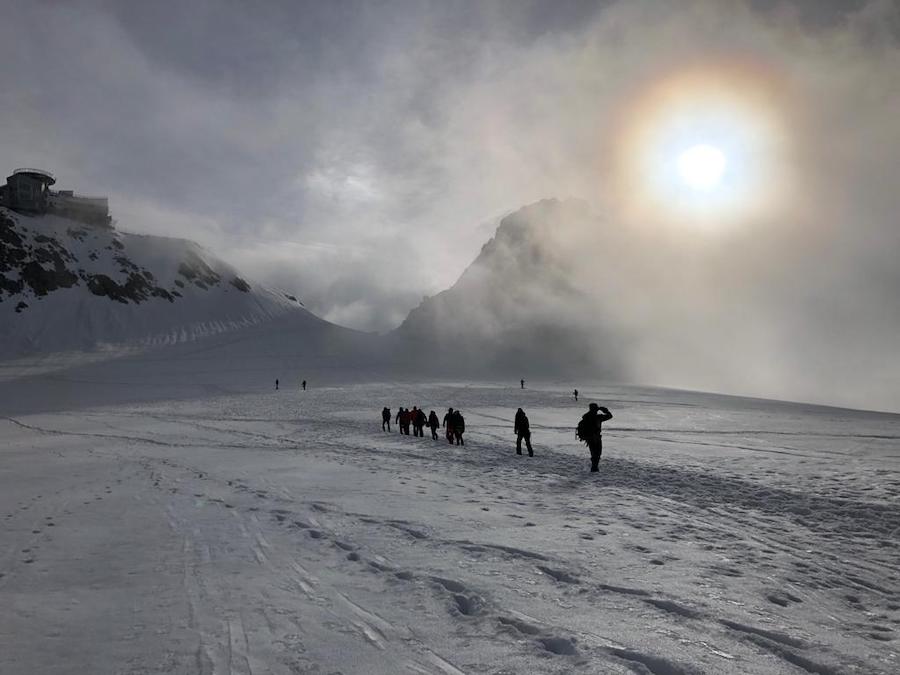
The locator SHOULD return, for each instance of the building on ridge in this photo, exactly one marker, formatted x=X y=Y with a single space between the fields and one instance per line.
x=28 y=191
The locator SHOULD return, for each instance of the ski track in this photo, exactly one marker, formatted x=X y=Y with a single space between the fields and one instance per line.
x=455 y=560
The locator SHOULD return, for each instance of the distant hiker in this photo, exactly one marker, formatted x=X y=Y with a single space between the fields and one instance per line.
x=448 y=423
x=522 y=430
x=276 y=384
x=418 y=421
x=575 y=394
x=589 y=430
x=522 y=383
x=303 y=384
x=399 y=417
x=459 y=427
x=386 y=419
x=433 y=424
x=405 y=419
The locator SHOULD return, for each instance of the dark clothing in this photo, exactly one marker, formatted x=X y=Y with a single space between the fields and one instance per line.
x=523 y=431
x=596 y=448
x=403 y=419
x=433 y=424
x=459 y=428
x=522 y=383
x=418 y=422
x=521 y=421
x=303 y=384
x=386 y=419
x=276 y=385
x=576 y=394
x=448 y=423
x=590 y=431
x=527 y=436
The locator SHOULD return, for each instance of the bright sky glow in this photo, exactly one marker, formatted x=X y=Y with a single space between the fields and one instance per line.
x=701 y=167
x=701 y=147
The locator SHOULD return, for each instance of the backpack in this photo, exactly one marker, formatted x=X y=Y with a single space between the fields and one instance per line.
x=459 y=423
x=584 y=431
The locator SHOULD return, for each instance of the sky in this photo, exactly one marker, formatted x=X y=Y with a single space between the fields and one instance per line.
x=359 y=154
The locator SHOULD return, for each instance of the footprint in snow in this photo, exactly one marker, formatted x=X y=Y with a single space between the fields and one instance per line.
x=559 y=575
x=469 y=605
x=559 y=646
x=521 y=626
x=782 y=598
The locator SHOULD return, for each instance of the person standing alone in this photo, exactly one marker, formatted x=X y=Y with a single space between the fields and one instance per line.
x=386 y=419
x=590 y=431
x=522 y=430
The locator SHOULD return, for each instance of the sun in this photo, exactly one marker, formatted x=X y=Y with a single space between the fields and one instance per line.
x=702 y=167
x=705 y=145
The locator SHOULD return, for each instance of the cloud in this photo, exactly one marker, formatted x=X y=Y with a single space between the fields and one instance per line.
x=353 y=151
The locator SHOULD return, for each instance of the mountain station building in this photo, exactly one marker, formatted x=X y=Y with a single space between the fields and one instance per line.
x=28 y=191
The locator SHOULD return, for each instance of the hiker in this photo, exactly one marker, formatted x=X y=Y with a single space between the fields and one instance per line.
x=575 y=394
x=417 y=417
x=589 y=430
x=522 y=383
x=459 y=427
x=405 y=419
x=522 y=430
x=448 y=423
x=303 y=384
x=276 y=384
x=433 y=424
x=386 y=419
x=399 y=418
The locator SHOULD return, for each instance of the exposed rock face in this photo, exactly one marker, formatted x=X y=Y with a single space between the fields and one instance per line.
x=65 y=286
x=43 y=265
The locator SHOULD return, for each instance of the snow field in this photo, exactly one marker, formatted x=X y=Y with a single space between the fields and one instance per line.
x=284 y=532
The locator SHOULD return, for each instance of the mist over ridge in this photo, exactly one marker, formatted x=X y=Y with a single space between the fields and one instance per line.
x=562 y=292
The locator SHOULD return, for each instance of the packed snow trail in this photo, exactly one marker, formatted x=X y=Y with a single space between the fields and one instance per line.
x=284 y=532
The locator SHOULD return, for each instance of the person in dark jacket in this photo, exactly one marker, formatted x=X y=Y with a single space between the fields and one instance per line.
x=303 y=384
x=386 y=419
x=433 y=424
x=448 y=424
x=276 y=384
x=522 y=383
x=590 y=431
x=575 y=394
x=523 y=431
x=418 y=421
x=459 y=427
x=405 y=419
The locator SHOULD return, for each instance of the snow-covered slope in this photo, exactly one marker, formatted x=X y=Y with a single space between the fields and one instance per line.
x=518 y=308
x=69 y=286
x=283 y=532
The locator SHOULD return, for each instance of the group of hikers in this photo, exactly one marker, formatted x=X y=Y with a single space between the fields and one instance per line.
x=454 y=423
x=589 y=429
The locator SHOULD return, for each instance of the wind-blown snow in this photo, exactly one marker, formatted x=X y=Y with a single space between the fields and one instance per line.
x=214 y=525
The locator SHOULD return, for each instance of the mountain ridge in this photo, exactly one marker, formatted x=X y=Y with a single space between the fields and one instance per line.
x=65 y=285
